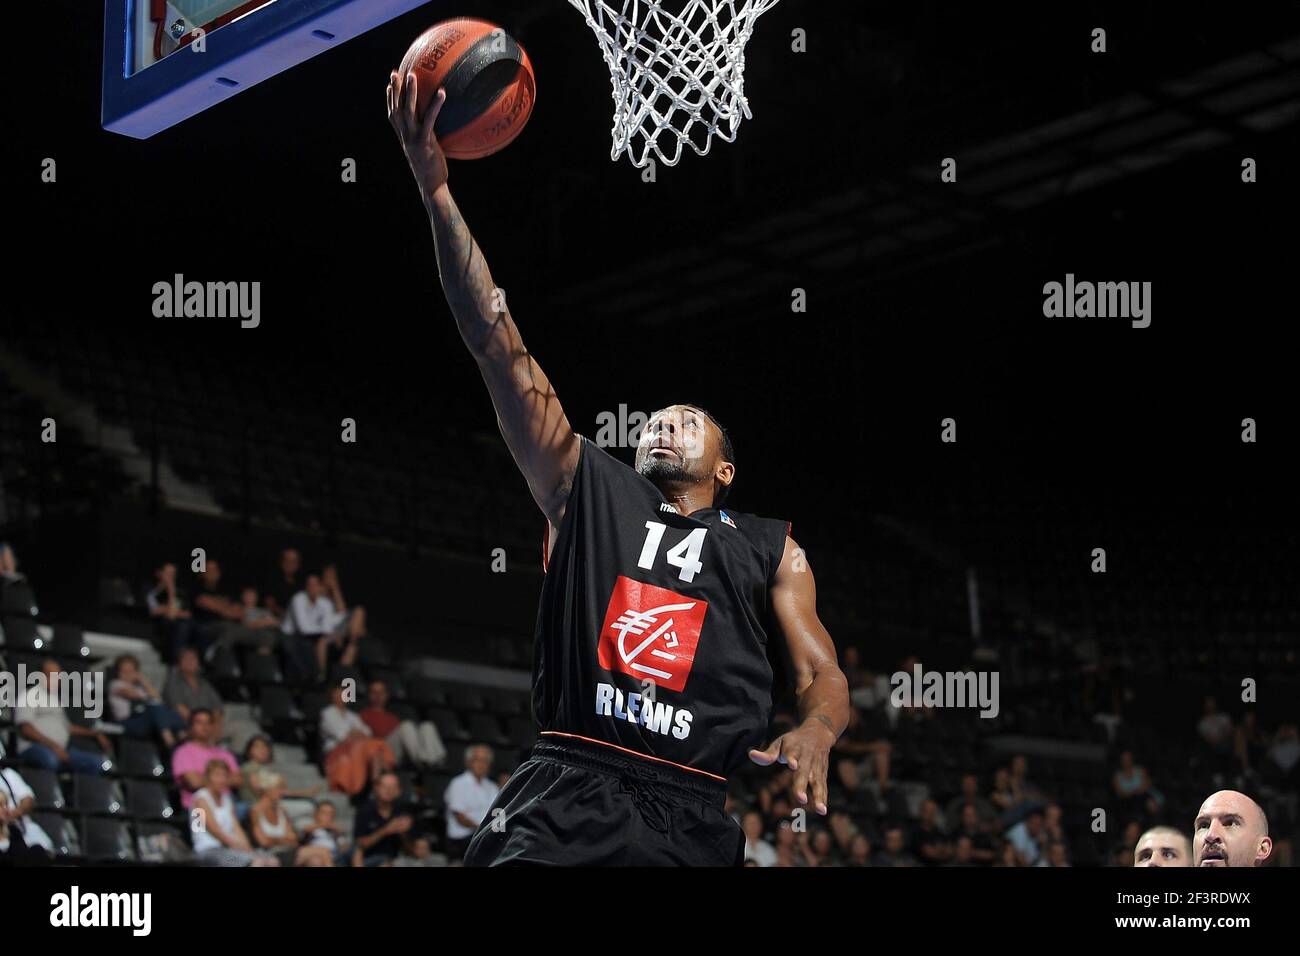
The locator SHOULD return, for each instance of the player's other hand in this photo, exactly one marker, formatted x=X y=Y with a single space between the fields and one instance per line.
x=416 y=132
x=806 y=751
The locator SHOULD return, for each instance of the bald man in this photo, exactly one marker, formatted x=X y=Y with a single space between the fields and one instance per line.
x=1163 y=846
x=1231 y=830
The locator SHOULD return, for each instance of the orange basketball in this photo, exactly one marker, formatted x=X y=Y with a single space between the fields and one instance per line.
x=489 y=81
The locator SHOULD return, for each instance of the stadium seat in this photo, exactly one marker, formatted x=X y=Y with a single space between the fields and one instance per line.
x=148 y=800
x=262 y=669
x=18 y=600
x=484 y=728
x=45 y=788
x=61 y=831
x=108 y=841
x=449 y=726
x=98 y=795
x=69 y=643
x=139 y=758
x=162 y=843
x=20 y=634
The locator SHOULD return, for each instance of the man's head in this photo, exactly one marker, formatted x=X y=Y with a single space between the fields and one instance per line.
x=388 y=787
x=894 y=840
x=201 y=726
x=313 y=586
x=248 y=597
x=478 y=760
x=970 y=786
x=166 y=574
x=753 y=826
x=127 y=668
x=377 y=694
x=211 y=574
x=970 y=817
x=290 y=561
x=1231 y=830
x=188 y=661
x=683 y=446
x=1162 y=846
x=965 y=850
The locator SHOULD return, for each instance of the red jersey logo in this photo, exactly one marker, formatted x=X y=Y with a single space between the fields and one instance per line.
x=651 y=633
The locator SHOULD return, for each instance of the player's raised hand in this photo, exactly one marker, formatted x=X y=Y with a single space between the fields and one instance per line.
x=806 y=751
x=417 y=132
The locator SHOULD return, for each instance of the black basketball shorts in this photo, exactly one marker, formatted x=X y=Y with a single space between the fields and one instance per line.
x=573 y=803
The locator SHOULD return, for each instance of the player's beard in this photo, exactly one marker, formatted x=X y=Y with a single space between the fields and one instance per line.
x=664 y=470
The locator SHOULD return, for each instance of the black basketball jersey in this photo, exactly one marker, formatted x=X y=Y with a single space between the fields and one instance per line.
x=653 y=627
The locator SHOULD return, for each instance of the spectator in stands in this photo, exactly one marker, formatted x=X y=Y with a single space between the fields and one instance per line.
x=1022 y=787
x=273 y=831
x=971 y=828
x=895 y=851
x=21 y=837
x=866 y=737
x=756 y=848
x=1132 y=787
x=1057 y=855
x=138 y=707
x=970 y=794
x=44 y=730
x=1028 y=839
x=787 y=852
x=418 y=851
x=169 y=607
x=259 y=757
x=1281 y=766
x=1003 y=795
x=819 y=848
x=217 y=837
x=419 y=744
x=469 y=796
x=380 y=824
x=930 y=843
x=963 y=853
x=773 y=792
x=859 y=851
x=321 y=629
x=187 y=690
x=1216 y=732
x=260 y=625
x=843 y=830
x=191 y=759
x=285 y=583
x=353 y=757
x=9 y=573
x=214 y=613
x=1163 y=846
x=1249 y=744
x=325 y=832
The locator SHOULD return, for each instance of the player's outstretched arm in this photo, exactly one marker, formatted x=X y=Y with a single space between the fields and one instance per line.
x=819 y=684
x=534 y=425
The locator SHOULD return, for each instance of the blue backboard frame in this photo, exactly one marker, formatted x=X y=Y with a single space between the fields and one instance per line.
x=239 y=55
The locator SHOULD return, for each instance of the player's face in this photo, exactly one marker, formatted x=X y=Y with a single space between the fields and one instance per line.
x=678 y=443
x=1161 y=849
x=1228 y=832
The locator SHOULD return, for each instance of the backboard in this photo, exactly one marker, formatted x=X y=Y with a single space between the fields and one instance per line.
x=166 y=60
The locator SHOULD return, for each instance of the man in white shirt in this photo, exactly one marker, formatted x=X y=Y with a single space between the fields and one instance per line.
x=756 y=848
x=469 y=797
x=313 y=616
x=16 y=802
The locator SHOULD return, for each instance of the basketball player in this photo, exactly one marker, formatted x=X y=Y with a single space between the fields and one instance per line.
x=652 y=679
x=1231 y=830
x=1163 y=846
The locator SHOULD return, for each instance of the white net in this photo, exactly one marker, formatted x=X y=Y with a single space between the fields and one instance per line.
x=678 y=77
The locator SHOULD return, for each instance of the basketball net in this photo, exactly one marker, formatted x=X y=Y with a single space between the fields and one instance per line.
x=679 y=79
